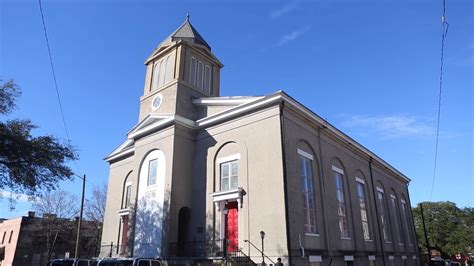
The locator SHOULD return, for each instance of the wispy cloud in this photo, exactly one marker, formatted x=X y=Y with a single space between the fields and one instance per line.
x=8 y=195
x=282 y=10
x=391 y=126
x=292 y=35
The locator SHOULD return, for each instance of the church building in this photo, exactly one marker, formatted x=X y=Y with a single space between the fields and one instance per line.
x=204 y=178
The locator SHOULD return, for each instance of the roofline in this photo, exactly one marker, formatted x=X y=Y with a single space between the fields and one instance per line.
x=223 y=101
x=277 y=97
x=340 y=134
x=282 y=96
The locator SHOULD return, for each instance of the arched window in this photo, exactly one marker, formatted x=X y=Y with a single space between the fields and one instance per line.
x=404 y=209
x=207 y=79
x=192 y=71
x=307 y=188
x=383 y=213
x=396 y=216
x=169 y=69
x=155 y=79
x=200 y=75
x=338 y=174
x=162 y=73
x=362 y=200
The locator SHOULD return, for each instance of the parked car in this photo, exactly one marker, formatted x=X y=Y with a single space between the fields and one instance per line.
x=72 y=262
x=129 y=262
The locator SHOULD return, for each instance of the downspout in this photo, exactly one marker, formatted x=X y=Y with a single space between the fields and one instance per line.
x=412 y=222
x=323 y=191
x=382 y=241
x=285 y=185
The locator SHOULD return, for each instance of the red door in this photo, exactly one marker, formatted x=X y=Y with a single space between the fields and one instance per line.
x=232 y=227
x=124 y=243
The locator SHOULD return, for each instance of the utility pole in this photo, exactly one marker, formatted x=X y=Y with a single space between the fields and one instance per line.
x=76 y=254
x=424 y=230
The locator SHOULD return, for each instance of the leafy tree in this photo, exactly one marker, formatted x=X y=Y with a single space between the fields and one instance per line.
x=449 y=228
x=29 y=164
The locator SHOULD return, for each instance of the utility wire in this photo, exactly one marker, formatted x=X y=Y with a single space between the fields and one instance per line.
x=444 y=33
x=54 y=79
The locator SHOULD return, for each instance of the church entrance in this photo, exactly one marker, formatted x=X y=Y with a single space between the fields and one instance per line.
x=232 y=227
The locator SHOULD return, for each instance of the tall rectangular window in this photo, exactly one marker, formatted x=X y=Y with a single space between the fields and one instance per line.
x=396 y=217
x=383 y=218
x=192 y=71
x=161 y=81
x=128 y=196
x=200 y=74
x=229 y=175
x=405 y=220
x=341 y=205
x=152 y=171
x=156 y=72
x=207 y=79
x=363 y=208
x=309 y=206
x=10 y=238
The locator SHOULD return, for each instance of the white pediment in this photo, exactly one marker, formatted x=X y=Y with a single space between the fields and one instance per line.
x=151 y=123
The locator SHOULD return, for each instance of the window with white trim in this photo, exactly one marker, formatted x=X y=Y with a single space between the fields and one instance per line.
x=200 y=75
x=405 y=220
x=162 y=72
x=152 y=172
x=363 y=207
x=383 y=217
x=192 y=71
x=207 y=79
x=341 y=205
x=398 y=230
x=156 y=71
x=229 y=175
x=309 y=204
x=128 y=195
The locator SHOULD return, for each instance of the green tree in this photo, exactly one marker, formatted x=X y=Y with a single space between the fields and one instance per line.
x=449 y=228
x=29 y=164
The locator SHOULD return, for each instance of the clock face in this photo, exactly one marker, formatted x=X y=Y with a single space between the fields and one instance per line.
x=156 y=102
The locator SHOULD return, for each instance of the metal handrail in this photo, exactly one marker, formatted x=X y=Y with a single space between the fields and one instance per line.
x=238 y=255
x=246 y=240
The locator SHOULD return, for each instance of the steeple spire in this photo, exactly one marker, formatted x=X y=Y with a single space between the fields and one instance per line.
x=187 y=17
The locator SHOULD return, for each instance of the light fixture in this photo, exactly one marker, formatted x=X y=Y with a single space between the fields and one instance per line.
x=225 y=210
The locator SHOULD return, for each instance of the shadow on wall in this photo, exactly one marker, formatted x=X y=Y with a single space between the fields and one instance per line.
x=150 y=226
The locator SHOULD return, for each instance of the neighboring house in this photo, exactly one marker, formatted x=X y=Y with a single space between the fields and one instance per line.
x=200 y=176
x=24 y=240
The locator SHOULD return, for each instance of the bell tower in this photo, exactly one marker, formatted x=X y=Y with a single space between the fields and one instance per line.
x=181 y=68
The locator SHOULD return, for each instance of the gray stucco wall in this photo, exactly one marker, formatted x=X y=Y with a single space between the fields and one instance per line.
x=299 y=132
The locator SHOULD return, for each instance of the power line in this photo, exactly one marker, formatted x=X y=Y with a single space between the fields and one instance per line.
x=444 y=33
x=54 y=78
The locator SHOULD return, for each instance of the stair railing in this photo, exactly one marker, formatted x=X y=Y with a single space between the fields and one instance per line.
x=261 y=252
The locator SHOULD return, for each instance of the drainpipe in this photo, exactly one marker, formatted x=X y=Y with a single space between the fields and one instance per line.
x=285 y=185
x=382 y=241
x=323 y=191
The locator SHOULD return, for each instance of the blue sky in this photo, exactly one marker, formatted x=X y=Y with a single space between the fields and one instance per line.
x=371 y=68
